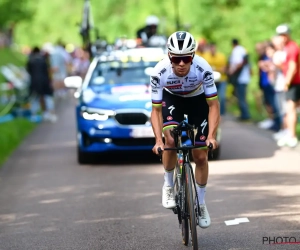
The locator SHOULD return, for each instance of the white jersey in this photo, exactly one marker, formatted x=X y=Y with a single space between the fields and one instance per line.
x=199 y=80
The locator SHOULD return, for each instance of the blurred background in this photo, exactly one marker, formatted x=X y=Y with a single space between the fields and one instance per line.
x=68 y=66
x=85 y=29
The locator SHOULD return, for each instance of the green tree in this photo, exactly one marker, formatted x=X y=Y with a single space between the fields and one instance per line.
x=15 y=11
x=218 y=20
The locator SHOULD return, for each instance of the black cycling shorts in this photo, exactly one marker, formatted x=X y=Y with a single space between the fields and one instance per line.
x=196 y=108
x=293 y=93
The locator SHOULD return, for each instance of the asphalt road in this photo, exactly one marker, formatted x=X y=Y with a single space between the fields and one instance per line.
x=48 y=201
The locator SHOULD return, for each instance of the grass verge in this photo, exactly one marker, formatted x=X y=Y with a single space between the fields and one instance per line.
x=12 y=133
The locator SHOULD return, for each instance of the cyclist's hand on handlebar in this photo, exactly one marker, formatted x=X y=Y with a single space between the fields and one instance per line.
x=156 y=146
x=212 y=142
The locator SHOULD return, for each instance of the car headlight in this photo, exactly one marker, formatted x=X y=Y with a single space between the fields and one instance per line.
x=88 y=95
x=96 y=114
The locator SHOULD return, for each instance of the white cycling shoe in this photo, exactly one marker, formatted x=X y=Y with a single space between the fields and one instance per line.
x=168 y=199
x=204 y=219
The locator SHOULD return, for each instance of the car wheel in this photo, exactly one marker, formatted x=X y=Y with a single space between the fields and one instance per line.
x=82 y=157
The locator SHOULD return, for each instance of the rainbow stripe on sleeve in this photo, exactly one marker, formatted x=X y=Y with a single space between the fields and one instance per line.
x=212 y=96
x=156 y=103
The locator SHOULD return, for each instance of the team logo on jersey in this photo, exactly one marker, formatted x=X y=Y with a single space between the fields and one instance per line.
x=154 y=81
x=208 y=76
x=169 y=118
x=162 y=71
x=202 y=138
x=174 y=87
x=173 y=82
x=171 y=108
x=199 y=68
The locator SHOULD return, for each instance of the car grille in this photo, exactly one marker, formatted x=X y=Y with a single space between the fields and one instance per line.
x=134 y=142
x=87 y=141
x=131 y=118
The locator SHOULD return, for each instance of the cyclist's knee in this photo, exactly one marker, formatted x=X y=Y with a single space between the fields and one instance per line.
x=169 y=140
x=200 y=157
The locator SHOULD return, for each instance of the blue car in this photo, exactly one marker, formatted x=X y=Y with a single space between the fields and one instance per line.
x=114 y=104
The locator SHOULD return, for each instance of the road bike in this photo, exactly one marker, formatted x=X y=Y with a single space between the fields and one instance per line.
x=186 y=198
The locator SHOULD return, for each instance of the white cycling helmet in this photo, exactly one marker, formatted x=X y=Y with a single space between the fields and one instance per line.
x=152 y=20
x=181 y=42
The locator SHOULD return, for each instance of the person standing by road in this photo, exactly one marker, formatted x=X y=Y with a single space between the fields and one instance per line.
x=40 y=85
x=218 y=62
x=291 y=71
x=239 y=73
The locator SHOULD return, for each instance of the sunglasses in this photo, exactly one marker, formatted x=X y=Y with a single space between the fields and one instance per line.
x=178 y=59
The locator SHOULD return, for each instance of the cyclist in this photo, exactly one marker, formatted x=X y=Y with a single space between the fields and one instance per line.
x=182 y=84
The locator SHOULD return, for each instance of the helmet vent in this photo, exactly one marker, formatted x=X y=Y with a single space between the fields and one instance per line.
x=172 y=44
x=180 y=44
x=190 y=42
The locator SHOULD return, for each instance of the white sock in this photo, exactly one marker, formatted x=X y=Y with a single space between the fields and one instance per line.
x=201 y=190
x=169 y=178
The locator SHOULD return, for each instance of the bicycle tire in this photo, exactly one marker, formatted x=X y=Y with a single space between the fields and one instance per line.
x=184 y=210
x=190 y=202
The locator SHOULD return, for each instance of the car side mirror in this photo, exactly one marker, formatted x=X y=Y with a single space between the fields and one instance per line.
x=73 y=82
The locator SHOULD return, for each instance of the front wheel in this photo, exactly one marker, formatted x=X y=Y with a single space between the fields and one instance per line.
x=185 y=222
x=182 y=212
x=190 y=203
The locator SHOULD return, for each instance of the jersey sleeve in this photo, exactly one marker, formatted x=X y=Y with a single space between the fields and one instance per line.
x=208 y=81
x=156 y=87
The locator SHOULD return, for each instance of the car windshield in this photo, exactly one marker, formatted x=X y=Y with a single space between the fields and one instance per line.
x=117 y=72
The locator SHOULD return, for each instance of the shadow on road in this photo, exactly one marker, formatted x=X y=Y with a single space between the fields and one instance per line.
x=132 y=207
x=124 y=158
x=267 y=196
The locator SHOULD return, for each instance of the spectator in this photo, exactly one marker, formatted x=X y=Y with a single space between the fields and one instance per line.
x=59 y=69
x=145 y=33
x=218 y=62
x=202 y=49
x=262 y=76
x=81 y=63
x=278 y=59
x=291 y=71
x=239 y=73
x=267 y=81
x=40 y=85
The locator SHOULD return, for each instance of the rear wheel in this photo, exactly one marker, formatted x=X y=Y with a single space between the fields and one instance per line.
x=190 y=204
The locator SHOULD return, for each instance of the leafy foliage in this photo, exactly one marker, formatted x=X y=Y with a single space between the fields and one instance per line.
x=218 y=20
x=15 y=11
